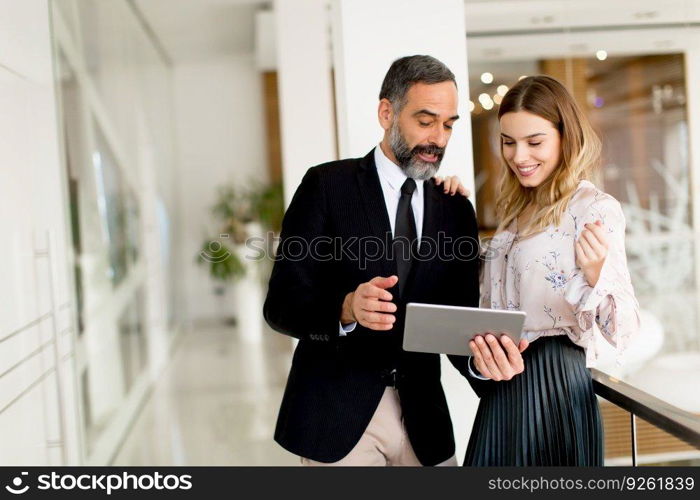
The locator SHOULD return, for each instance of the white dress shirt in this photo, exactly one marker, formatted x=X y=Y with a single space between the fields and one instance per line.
x=391 y=178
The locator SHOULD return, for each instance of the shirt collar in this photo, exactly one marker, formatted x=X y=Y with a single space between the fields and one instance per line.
x=391 y=172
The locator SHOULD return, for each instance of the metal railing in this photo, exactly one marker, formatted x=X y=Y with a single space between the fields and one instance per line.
x=680 y=423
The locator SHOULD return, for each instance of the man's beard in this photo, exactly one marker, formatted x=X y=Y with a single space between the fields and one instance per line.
x=408 y=159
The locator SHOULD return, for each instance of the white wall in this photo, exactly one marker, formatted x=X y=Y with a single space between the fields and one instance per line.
x=367 y=37
x=36 y=328
x=305 y=90
x=221 y=139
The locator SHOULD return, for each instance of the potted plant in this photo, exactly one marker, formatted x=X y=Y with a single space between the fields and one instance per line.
x=241 y=214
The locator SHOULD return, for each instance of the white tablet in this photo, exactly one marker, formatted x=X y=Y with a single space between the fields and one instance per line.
x=448 y=329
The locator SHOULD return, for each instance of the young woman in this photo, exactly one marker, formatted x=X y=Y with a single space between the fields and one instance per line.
x=558 y=255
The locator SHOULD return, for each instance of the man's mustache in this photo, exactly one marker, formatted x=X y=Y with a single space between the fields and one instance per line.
x=428 y=149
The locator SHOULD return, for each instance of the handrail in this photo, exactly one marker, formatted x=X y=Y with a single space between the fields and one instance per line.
x=682 y=424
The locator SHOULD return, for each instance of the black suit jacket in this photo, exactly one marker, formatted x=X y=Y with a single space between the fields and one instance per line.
x=335 y=236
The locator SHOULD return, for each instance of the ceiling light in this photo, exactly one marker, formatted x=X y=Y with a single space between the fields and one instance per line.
x=486 y=78
x=601 y=55
x=502 y=89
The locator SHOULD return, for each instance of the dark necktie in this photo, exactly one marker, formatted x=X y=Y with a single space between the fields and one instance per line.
x=405 y=235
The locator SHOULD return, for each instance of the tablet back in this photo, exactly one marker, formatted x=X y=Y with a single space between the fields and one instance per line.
x=448 y=329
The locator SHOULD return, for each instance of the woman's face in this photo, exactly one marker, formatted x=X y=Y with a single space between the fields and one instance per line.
x=531 y=146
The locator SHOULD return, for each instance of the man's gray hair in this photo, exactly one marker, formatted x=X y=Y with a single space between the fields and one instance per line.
x=409 y=70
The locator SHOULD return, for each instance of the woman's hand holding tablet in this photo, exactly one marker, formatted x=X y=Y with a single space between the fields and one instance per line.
x=497 y=360
x=469 y=331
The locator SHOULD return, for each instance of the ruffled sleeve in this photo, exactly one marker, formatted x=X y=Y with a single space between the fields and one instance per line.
x=611 y=304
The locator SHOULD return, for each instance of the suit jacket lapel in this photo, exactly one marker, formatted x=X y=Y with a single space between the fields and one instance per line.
x=375 y=208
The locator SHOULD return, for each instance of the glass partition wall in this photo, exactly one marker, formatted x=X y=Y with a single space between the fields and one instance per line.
x=115 y=121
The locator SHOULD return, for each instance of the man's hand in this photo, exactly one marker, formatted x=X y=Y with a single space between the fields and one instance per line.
x=498 y=360
x=452 y=185
x=370 y=304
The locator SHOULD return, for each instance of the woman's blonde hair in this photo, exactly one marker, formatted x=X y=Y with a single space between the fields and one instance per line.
x=580 y=154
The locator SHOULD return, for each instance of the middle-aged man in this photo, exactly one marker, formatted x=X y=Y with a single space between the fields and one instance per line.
x=362 y=238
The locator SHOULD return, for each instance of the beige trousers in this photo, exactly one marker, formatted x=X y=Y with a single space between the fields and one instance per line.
x=384 y=442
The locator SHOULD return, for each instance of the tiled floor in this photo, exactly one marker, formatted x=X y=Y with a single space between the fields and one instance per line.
x=217 y=401
x=215 y=404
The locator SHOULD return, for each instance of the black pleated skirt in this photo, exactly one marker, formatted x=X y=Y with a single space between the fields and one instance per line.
x=546 y=416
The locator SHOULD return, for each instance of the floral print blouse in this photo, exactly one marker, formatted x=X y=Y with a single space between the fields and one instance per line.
x=539 y=275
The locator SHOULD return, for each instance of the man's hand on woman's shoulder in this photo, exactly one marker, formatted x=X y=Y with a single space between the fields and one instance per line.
x=452 y=185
